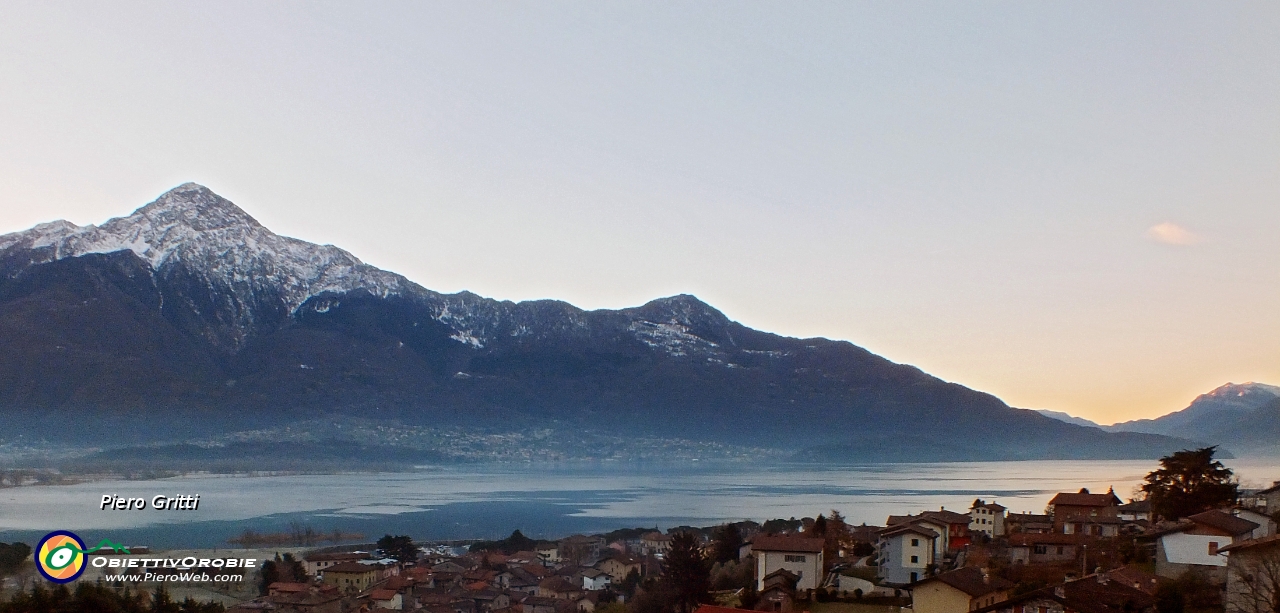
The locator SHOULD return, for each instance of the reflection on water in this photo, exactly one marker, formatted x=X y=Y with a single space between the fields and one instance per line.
x=488 y=501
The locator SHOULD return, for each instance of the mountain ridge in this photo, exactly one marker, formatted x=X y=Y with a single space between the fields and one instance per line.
x=1231 y=415
x=190 y=311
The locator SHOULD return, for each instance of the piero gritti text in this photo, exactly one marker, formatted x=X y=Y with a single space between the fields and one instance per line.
x=182 y=502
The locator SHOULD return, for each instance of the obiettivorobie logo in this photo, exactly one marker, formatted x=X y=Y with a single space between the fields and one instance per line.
x=61 y=556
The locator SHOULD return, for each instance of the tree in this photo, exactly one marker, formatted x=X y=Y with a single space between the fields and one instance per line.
x=837 y=537
x=399 y=547
x=820 y=526
x=686 y=575
x=12 y=557
x=516 y=542
x=630 y=583
x=285 y=569
x=1188 y=482
x=1253 y=579
x=269 y=574
x=727 y=542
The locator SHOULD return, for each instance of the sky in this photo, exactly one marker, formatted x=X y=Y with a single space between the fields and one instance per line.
x=1071 y=205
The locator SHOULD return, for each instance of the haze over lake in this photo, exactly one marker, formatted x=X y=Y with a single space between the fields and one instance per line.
x=553 y=501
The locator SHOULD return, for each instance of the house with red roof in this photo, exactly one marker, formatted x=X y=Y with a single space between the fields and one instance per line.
x=1086 y=513
x=958 y=591
x=799 y=555
x=386 y=599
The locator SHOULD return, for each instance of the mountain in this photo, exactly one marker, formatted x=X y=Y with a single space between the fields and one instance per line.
x=1068 y=418
x=189 y=318
x=1241 y=417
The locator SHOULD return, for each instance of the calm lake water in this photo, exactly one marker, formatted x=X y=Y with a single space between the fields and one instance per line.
x=549 y=502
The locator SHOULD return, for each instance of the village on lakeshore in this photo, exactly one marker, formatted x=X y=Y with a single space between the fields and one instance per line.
x=1191 y=540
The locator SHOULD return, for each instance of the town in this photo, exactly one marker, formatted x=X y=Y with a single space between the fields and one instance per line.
x=1192 y=541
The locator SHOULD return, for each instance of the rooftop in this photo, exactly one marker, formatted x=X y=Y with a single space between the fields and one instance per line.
x=972 y=581
x=1084 y=499
x=787 y=543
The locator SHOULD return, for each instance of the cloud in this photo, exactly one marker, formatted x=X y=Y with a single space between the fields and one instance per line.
x=1171 y=233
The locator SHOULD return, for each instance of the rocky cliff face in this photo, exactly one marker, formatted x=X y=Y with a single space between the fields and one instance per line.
x=190 y=314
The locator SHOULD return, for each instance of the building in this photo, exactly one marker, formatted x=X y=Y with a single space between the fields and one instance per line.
x=655 y=544
x=779 y=593
x=798 y=555
x=1138 y=510
x=595 y=579
x=1266 y=525
x=986 y=518
x=559 y=588
x=549 y=554
x=1136 y=579
x=854 y=586
x=957 y=528
x=1253 y=575
x=1028 y=523
x=1085 y=513
x=1270 y=498
x=351 y=577
x=937 y=525
x=1092 y=594
x=386 y=599
x=1193 y=544
x=316 y=562
x=958 y=591
x=618 y=567
x=905 y=553
x=581 y=550
x=1041 y=548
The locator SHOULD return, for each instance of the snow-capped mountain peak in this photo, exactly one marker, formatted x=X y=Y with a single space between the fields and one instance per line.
x=210 y=238
x=195 y=206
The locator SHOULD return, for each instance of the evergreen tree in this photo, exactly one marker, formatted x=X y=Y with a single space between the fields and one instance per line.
x=685 y=574
x=1188 y=482
x=12 y=557
x=727 y=542
x=399 y=547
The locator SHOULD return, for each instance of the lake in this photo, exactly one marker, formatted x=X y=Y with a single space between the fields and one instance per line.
x=552 y=501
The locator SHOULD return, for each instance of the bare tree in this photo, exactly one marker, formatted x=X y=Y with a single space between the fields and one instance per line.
x=1253 y=579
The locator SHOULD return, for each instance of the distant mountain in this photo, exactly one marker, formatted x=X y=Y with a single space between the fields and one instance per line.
x=1068 y=418
x=1212 y=418
x=189 y=318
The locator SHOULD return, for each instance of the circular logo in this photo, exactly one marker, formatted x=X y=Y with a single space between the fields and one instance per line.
x=60 y=556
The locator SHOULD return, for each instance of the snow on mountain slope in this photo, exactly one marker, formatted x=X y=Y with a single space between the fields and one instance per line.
x=192 y=224
x=190 y=230
x=1207 y=412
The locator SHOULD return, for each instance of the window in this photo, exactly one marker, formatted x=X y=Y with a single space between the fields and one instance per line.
x=915 y=542
x=786 y=558
x=1213 y=548
x=1059 y=549
x=914 y=577
x=915 y=559
x=1041 y=549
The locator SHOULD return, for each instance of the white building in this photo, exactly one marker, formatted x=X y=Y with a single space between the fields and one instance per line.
x=905 y=553
x=987 y=518
x=1194 y=544
x=594 y=579
x=802 y=556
